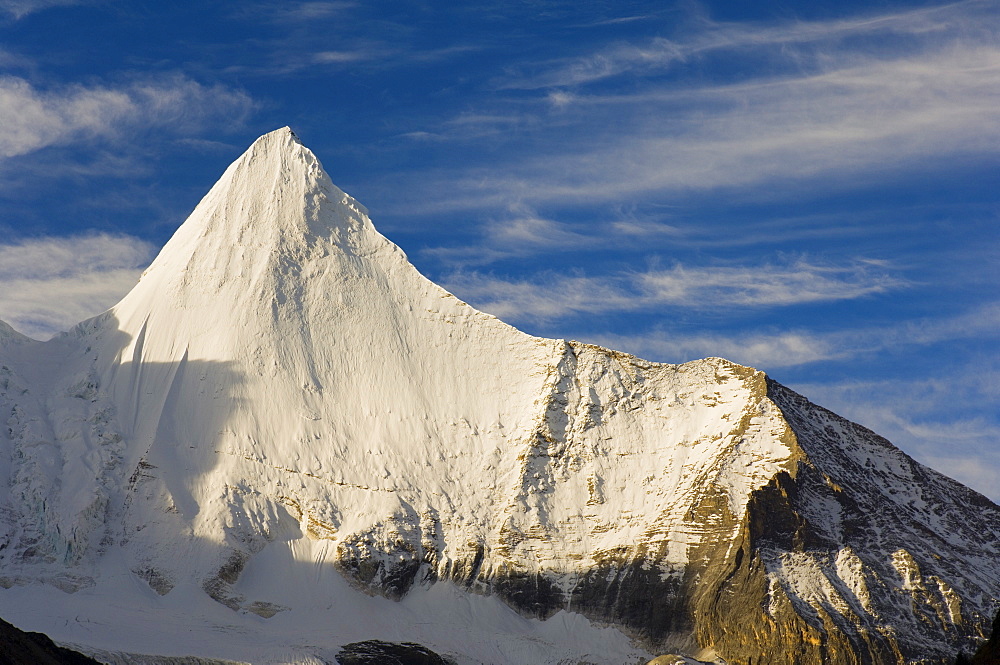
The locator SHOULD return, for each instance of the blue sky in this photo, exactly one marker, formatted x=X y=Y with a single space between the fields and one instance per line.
x=808 y=188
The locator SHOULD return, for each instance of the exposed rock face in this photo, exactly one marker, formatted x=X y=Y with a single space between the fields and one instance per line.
x=989 y=652
x=825 y=556
x=375 y=652
x=283 y=382
x=20 y=648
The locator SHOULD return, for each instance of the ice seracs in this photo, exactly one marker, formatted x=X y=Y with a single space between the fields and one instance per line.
x=285 y=429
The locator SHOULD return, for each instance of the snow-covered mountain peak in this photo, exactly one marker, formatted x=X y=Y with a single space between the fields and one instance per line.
x=272 y=230
x=284 y=408
x=266 y=212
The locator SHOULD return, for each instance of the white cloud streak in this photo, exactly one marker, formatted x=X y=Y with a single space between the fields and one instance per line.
x=920 y=416
x=764 y=351
x=523 y=300
x=35 y=118
x=886 y=115
x=705 y=37
x=522 y=233
x=525 y=230
x=691 y=288
x=50 y=284
x=344 y=57
x=771 y=349
x=763 y=286
x=841 y=102
x=21 y=8
x=309 y=11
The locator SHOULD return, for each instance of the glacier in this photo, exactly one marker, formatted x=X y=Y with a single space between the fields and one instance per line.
x=285 y=439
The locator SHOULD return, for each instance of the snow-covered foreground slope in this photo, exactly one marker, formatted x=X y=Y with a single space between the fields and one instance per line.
x=285 y=439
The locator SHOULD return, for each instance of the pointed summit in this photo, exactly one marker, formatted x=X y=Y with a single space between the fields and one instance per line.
x=8 y=334
x=273 y=215
x=276 y=193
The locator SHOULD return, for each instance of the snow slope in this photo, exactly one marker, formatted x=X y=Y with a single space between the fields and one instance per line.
x=284 y=429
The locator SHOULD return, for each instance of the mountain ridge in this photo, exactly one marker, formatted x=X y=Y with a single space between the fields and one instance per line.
x=282 y=390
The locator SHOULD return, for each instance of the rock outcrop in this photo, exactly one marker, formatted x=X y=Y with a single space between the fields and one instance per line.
x=18 y=647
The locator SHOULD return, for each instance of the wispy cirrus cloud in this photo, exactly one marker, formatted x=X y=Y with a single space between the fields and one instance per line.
x=703 y=36
x=525 y=231
x=277 y=60
x=372 y=53
x=343 y=57
x=473 y=127
x=304 y=11
x=36 y=118
x=21 y=8
x=696 y=288
x=311 y=37
x=521 y=232
x=890 y=116
x=769 y=349
x=765 y=285
x=521 y=300
x=973 y=466
x=926 y=418
x=50 y=284
x=10 y=60
x=281 y=59
x=827 y=105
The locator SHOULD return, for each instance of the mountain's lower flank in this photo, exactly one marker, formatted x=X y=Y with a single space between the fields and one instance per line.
x=285 y=440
